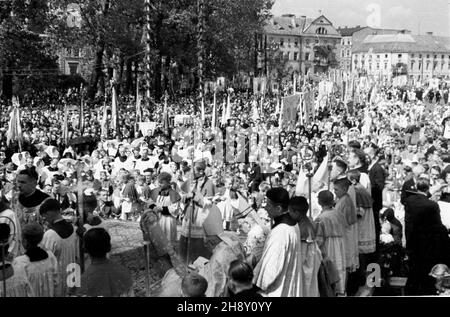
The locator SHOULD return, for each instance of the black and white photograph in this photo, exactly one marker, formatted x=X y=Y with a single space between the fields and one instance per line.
x=240 y=151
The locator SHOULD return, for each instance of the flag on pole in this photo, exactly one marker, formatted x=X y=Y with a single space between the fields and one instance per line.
x=228 y=113
x=277 y=110
x=138 y=104
x=224 y=113
x=104 y=122
x=65 y=127
x=166 y=116
x=81 y=121
x=295 y=83
x=320 y=178
x=214 y=113
x=302 y=188
x=114 y=109
x=280 y=121
x=14 y=129
x=255 y=114
x=203 y=111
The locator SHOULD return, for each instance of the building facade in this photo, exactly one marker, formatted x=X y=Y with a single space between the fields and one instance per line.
x=74 y=61
x=298 y=38
x=354 y=36
x=422 y=56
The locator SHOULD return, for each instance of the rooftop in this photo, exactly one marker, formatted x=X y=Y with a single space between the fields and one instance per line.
x=403 y=43
x=287 y=25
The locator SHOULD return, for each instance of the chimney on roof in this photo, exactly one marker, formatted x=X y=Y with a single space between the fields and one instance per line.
x=429 y=33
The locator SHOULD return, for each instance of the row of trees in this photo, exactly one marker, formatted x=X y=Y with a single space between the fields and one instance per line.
x=32 y=31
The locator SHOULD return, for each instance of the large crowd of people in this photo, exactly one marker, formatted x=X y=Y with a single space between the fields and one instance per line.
x=243 y=207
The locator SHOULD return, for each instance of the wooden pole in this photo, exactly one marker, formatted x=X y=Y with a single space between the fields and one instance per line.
x=80 y=212
x=148 y=62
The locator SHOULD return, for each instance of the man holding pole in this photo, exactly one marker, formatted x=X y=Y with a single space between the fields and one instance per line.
x=198 y=197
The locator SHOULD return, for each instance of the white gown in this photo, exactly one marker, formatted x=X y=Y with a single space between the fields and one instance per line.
x=279 y=273
x=66 y=252
x=43 y=275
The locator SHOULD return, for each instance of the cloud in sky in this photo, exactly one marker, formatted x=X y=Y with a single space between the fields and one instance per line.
x=402 y=14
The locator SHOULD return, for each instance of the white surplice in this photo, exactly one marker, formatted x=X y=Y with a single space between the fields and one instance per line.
x=43 y=275
x=279 y=272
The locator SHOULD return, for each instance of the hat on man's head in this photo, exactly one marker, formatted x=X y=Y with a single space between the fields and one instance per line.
x=200 y=165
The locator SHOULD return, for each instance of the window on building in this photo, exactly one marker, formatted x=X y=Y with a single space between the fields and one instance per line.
x=385 y=65
x=342 y=53
x=428 y=65
x=386 y=56
x=420 y=55
x=321 y=30
x=428 y=56
x=295 y=56
x=306 y=56
x=296 y=43
x=378 y=56
x=412 y=55
x=435 y=56
x=399 y=55
x=73 y=68
x=442 y=56
x=420 y=65
x=281 y=41
x=412 y=65
x=348 y=53
x=378 y=66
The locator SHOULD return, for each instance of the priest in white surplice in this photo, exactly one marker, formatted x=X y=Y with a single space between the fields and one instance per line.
x=279 y=272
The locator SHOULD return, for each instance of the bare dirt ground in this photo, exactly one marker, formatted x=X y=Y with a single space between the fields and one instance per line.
x=127 y=249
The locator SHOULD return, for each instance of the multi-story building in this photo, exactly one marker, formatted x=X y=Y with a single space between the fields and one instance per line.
x=353 y=36
x=422 y=56
x=297 y=38
x=75 y=61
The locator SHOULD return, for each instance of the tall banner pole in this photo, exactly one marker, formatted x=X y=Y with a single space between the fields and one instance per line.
x=148 y=61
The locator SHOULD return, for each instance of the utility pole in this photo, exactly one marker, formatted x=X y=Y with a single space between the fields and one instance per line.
x=148 y=67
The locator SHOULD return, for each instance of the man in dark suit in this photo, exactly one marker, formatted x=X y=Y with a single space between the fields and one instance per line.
x=409 y=187
x=377 y=182
x=427 y=240
x=255 y=177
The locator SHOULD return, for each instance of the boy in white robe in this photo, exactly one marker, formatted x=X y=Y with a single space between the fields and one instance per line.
x=279 y=272
x=61 y=239
x=330 y=237
x=311 y=254
x=14 y=278
x=40 y=265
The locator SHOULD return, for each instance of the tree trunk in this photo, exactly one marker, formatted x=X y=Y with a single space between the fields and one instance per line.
x=8 y=85
x=97 y=71
x=129 y=78
x=158 y=64
x=120 y=87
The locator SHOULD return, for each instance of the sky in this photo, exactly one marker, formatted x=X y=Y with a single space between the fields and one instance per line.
x=419 y=16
